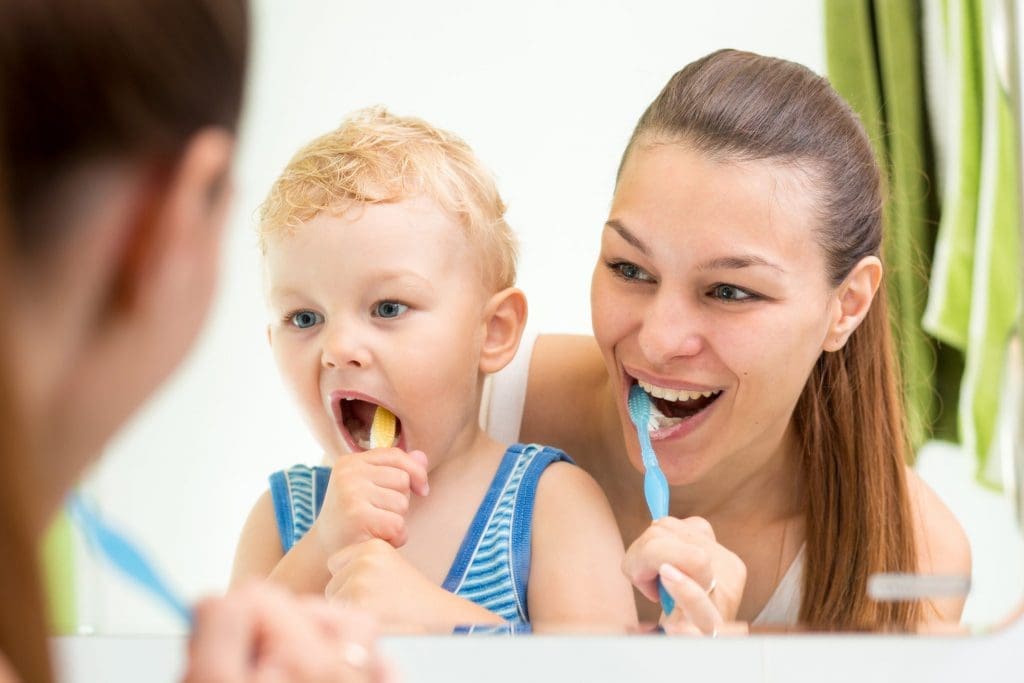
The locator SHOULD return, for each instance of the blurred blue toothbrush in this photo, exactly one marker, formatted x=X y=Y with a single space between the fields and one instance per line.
x=655 y=484
x=123 y=554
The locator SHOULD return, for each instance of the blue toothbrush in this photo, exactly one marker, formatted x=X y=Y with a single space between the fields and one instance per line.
x=655 y=484
x=124 y=555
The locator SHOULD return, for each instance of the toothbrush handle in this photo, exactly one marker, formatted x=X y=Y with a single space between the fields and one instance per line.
x=656 y=492
x=667 y=603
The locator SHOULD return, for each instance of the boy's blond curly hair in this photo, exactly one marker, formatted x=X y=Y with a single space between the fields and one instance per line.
x=377 y=157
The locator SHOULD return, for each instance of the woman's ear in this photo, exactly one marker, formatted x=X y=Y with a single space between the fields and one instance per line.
x=852 y=300
x=157 y=286
x=176 y=232
x=504 y=320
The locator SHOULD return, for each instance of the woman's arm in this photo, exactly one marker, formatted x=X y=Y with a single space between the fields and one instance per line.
x=576 y=555
x=942 y=546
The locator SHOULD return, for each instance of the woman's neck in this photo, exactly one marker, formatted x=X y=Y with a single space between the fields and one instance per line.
x=753 y=484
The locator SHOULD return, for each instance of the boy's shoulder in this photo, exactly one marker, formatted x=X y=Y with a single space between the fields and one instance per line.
x=559 y=478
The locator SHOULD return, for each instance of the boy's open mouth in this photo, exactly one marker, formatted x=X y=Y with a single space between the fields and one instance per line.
x=355 y=418
x=670 y=407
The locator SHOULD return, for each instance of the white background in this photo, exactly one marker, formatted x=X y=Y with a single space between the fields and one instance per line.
x=547 y=94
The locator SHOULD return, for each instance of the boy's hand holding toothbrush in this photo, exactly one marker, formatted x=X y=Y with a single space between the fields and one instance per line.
x=704 y=578
x=368 y=493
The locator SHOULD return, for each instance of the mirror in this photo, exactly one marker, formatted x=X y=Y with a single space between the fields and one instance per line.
x=547 y=95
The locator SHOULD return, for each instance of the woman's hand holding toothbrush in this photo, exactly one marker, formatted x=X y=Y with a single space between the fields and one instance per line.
x=261 y=634
x=705 y=578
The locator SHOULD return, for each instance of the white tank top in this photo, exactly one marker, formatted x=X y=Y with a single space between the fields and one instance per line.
x=501 y=415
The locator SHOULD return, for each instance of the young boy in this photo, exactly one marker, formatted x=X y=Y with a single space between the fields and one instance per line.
x=390 y=273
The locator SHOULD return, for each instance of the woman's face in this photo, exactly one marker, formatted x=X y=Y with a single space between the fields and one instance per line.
x=711 y=292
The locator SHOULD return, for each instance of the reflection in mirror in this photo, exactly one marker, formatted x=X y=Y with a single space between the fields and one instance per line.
x=549 y=109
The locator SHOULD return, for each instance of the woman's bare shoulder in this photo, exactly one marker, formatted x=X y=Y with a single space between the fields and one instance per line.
x=566 y=387
x=567 y=356
x=942 y=544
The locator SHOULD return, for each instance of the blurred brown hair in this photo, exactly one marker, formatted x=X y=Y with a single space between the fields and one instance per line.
x=85 y=83
x=740 y=106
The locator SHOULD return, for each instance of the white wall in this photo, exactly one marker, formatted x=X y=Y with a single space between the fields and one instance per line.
x=545 y=92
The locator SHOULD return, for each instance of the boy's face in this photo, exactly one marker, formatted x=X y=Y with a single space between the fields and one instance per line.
x=382 y=305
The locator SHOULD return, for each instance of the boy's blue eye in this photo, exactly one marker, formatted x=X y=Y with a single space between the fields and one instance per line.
x=305 y=319
x=389 y=309
x=730 y=293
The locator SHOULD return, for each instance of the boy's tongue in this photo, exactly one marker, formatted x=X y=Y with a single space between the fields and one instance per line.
x=359 y=418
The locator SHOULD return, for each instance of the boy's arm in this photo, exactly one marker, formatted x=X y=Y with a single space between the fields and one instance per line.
x=375 y=577
x=367 y=497
x=259 y=555
x=576 y=567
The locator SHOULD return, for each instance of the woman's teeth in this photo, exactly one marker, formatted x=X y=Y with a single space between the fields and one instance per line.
x=658 y=419
x=674 y=394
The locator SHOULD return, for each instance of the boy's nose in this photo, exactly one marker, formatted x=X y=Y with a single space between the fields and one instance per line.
x=670 y=330
x=344 y=348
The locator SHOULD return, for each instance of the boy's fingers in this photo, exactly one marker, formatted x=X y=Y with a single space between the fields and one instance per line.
x=414 y=467
x=421 y=458
x=394 y=478
x=390 y=500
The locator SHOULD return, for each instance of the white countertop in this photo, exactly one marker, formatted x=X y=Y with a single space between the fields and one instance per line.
x=788 y=658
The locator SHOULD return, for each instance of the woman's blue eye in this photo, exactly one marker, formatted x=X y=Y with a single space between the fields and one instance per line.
x=629 y=271
x=389 y=309
x=730 y=293
x=305 y=319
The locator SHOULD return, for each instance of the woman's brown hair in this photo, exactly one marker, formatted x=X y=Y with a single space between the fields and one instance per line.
x=850 y=420
x=81 y=84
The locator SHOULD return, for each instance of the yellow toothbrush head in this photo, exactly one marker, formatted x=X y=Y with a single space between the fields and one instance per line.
x=382 y=432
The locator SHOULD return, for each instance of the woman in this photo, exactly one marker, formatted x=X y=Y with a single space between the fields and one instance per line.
x=116 y=136
x=740 y=284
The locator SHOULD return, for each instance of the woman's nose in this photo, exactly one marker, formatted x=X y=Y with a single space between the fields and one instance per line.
x=670 y=330
x=344 y=346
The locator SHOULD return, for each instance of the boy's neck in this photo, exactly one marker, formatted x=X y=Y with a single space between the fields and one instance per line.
x=472 y=443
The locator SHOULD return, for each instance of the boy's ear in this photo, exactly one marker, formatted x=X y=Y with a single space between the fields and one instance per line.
x=852 y=300
x=504 y=320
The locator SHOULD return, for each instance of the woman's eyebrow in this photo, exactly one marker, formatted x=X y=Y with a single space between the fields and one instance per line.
x=738 y=261
x=625 y=234
x=721 y=263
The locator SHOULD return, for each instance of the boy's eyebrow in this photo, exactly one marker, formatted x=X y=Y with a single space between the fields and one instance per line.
x=734 y=262
x=405 y=275
x=412 y=278
x=283 y=292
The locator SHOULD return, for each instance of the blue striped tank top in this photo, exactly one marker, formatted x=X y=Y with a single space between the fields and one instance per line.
x=492 y=566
